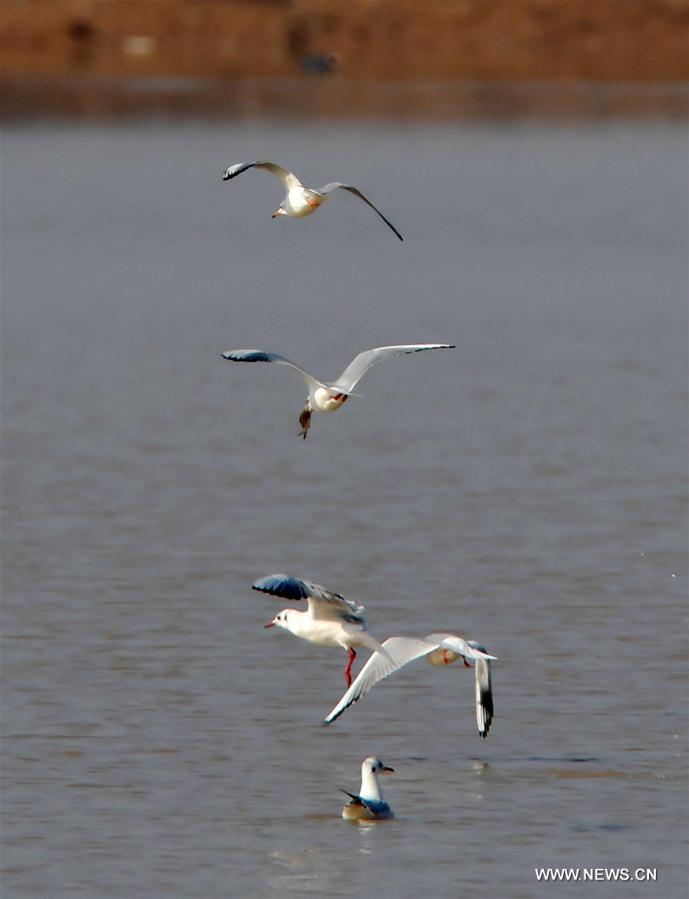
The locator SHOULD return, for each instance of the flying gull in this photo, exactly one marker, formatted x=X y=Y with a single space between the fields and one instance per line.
x=300 y=200
x=327 y=397
x=330 y=619
x=438 y=649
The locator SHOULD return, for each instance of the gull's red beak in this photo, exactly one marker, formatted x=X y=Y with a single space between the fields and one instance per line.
x=387 y=770
x=270 y=623
x=275 y=214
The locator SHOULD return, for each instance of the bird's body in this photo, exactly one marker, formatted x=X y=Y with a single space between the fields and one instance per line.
x=300 y=200
x=368 y=804
x=330 y=396
x=437 y=649
x=329 y=620
x=325 y=399
x=345 y=634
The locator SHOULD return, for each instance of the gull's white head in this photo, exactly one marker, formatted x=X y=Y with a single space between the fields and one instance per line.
x=373 y=765
x=281 y=619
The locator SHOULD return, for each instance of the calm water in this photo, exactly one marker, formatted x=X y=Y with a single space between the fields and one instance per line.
x=527 y=489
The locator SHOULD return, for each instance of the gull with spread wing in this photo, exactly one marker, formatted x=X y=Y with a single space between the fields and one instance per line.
x=301 y=200
x=368 y=804
x=330 y=619
x=328 y=397
x=437 y=649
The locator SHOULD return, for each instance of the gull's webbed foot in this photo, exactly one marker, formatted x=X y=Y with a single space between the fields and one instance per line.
x=305 y=422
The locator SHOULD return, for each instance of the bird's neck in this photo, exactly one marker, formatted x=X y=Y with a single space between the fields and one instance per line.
x=369 y=785
x=295 y=621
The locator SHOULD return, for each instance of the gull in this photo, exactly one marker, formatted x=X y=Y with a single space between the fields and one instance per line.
x=301 y=200
x=330 y=619
x=368 y=804
x=438 y=649
x=325 y=396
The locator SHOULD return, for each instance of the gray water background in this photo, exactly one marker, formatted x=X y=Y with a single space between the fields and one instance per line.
x=527 y=489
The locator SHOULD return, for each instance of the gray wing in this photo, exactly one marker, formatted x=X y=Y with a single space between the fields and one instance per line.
x=261 y=356
x=323 y=603
x=338 y=185
x=401 y=651
x=288 y=179
x=358 y=367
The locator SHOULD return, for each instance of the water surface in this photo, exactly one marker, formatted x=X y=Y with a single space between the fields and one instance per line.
x=527 y=489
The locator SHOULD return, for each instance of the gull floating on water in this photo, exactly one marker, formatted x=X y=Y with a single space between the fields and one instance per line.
x=300 y=200
x=438 y=649
x=330 y=620
x=368 y=804
x=327 y=397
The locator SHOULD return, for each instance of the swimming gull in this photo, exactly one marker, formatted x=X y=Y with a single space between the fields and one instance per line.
x=368 y=804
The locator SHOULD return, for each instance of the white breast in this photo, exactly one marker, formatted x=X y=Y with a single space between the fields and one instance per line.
x=301 y=201
x=323 y=633
x=326 y=400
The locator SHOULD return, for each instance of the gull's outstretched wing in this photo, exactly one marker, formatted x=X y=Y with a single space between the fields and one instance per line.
x=484 y=697
x=323 y=603
x=484 y=691
x=358 y=367
x=338 y=185
x=261 y=356
x=288 y=178
x=401 y=651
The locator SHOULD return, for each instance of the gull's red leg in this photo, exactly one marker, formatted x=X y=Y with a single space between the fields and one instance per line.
x=348 y=669
x=466 y=664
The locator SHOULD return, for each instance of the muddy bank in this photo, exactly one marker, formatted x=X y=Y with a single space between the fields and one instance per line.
x=77 y=55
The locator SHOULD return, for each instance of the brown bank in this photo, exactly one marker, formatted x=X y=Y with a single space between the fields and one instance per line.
x=57 y=54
